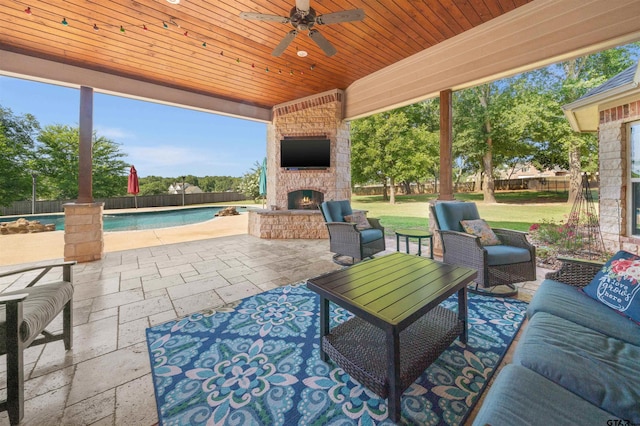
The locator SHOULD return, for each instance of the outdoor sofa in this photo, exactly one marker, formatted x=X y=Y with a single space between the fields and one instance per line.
x=576 y=362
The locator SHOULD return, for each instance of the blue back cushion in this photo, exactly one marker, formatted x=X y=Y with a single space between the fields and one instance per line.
x=450 y=213
x=335 y=211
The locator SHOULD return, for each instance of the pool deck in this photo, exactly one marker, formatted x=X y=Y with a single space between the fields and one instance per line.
x=25 y=248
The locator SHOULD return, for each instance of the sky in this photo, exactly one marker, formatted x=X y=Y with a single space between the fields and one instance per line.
x=158 y=140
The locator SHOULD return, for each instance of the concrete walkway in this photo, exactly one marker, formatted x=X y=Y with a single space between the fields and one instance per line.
x=25 y=248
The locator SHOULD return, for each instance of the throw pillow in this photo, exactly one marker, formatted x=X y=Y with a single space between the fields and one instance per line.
x=617 y=284
x=359 y=218
x=480 y=228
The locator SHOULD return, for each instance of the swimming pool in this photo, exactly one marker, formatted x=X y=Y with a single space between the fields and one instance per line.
x=138 y=221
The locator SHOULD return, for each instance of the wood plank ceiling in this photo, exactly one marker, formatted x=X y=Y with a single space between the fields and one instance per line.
x=203 y=46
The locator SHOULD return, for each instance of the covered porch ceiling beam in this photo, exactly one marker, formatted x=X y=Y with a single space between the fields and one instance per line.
x=31 y=68
x=535 y=35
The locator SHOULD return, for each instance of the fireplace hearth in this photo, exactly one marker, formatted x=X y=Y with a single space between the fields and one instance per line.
x=304 y=199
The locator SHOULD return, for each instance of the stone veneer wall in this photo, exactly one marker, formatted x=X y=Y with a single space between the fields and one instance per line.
x=83 y=234
x=613 y=152
x=291 y=224
x=320 y=115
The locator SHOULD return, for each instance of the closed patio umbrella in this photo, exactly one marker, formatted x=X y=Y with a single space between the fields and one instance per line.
x=133 y=187
x=262 y=183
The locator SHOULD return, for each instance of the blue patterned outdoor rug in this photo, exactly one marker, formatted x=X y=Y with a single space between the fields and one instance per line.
x=257 y=362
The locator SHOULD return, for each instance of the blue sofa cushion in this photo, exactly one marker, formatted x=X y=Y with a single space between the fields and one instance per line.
x=368 y=235
x=521 y=397
x=570 y=303
x=617 y=285
x=449 y=214
x=598 y=368
x=505 y=255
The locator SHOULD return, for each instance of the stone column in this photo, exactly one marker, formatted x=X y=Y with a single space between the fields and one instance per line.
x=83 y=236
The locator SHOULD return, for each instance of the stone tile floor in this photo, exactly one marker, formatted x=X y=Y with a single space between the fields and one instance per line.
x=106 y=378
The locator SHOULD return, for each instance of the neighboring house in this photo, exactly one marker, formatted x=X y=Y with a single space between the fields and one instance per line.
x=527 y=171
x=176 y=188
x=613 y=111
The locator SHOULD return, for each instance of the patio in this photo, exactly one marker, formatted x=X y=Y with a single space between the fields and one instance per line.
x=105 y=379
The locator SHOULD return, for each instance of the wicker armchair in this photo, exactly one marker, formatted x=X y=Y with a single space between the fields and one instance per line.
x=345 y=239
x=511 y=262
x=575 y=272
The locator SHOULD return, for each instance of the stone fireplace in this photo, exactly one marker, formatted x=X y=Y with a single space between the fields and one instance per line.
x=304 y=199
x=294 y=195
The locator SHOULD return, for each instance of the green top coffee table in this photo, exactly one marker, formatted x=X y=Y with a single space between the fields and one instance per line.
x=414 y=233
x=399 y=327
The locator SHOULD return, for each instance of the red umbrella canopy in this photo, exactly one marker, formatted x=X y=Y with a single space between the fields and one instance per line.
x=133 y=187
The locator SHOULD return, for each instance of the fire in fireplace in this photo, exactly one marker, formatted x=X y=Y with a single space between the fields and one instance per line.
x=304 y=199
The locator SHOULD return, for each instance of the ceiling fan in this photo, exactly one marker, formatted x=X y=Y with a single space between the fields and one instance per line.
x=303 y=18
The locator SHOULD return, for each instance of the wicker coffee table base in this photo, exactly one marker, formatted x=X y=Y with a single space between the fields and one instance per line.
x=358 y=348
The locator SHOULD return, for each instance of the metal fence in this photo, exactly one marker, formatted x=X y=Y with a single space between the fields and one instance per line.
x=549 y=184
x=128 y=202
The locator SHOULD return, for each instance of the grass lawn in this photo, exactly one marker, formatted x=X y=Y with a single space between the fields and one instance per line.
x=514 y=210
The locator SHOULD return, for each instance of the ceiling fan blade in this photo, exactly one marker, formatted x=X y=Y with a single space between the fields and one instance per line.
x=344 y=16
x=286 y=41
x=263 y=17
x=302 y=5
x=324 y=44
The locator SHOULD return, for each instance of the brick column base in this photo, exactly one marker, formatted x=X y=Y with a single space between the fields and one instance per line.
x=83 y=234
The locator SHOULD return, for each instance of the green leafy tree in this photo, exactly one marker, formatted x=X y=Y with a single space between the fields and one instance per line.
x=250 y=183
x=564 y=83
x=57 y=162
x=219 y=183
x=391 y=147
x=17 y=139
x=154 y=185
x=481 y=133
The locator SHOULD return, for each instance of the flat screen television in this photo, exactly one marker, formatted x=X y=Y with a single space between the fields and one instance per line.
x=305 y=153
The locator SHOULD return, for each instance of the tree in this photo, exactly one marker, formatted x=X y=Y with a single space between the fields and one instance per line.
x=154 y=185
x=57 y=163
x=392 y=147
x=484 y=131
x=250 y=183
x=17 y=136
x=564 y=83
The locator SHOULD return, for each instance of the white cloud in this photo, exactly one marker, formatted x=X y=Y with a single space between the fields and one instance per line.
x=114 y=133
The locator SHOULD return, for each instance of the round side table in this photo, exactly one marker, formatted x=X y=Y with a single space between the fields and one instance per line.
x=414 y=233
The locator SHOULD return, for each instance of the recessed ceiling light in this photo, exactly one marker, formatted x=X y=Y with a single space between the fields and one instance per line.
x=173 y=1
x=302 y=53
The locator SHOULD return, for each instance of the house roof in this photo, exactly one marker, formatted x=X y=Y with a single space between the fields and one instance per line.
x=201 y=54
x=583 y=114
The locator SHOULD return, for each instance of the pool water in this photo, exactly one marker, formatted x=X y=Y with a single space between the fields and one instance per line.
x=138 y=221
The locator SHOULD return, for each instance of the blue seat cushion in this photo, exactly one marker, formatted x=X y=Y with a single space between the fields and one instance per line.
x=505 y=255
x=449 y=214
x=368 y=235
x=571 y=303
x=512 y=400
x=336 y=210
x=598 y=368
